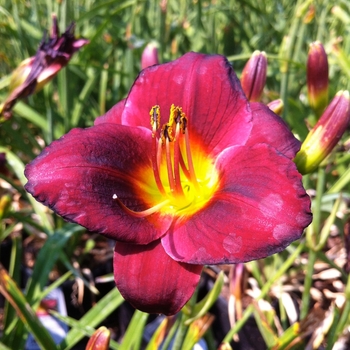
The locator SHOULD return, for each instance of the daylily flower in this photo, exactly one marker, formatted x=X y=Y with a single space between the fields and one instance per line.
x=34 y=72
x=184 y=172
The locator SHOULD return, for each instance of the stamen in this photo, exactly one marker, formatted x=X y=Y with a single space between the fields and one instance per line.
x=141 y=214
x=159 y=153
x=183 y=166
x=155 y=122
x=169 y=165
x=190 y=162
x=155 y=118
x=178 y=187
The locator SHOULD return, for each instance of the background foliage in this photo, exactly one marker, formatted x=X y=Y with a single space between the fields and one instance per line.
x=38 y=249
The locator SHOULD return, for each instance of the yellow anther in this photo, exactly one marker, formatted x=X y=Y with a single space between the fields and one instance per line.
x=155 y=117
x=176 y=116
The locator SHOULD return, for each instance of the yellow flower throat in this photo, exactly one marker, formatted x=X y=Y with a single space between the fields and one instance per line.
x=184 y=178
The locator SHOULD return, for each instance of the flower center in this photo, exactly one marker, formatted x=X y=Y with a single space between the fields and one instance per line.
x=184 y=176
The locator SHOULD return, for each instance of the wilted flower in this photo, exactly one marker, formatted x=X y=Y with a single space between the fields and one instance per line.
x=34 y=72
x=317 y=77
x=253 y=77
x=184 y=172
x=325 y=135
x=149 y=56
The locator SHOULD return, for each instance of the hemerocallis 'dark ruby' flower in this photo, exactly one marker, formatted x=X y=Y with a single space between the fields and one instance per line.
x=184 y=172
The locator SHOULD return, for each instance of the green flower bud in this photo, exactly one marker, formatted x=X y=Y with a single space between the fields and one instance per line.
x=325 y=135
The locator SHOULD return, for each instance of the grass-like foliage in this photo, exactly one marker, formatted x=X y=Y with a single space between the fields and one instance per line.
x=297 y=299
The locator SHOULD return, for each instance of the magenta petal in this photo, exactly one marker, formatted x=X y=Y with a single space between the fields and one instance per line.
x=78 y=175
x=269 y=128
x=114 y=115
x=208 y=91
x=151 y=281
x=260 y=208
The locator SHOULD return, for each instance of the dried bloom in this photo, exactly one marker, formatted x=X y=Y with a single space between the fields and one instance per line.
x=325 y=135
x=253 y=77
x=34 y=72
x=149 y=56
x=182 y=173
x=317 y=78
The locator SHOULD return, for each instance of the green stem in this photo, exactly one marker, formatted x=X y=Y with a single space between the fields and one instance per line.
x=264 y=291
x=289 y=52
x=316 y=223
x=186 y=314
x=312 y=237
x=305 y=301
x=181 y=332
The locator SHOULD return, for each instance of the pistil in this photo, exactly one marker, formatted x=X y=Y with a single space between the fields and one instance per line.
x=144 y=213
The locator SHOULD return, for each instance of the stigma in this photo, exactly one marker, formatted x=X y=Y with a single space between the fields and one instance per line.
x=181 y=191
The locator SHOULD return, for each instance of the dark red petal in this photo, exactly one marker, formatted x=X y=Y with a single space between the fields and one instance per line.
x=269 y=128
x=260 y=208
x=208 y=91
x=114 y=115
x=150 y=280
x=78 y=175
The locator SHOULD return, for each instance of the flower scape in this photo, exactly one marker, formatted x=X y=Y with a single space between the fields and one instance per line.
x=183 y=173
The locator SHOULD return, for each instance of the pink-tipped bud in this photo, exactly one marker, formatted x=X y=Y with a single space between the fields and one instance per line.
x=276 y=106
x=99 y=340
x=317 y=77
x=33 y=73
x=149 y=56
x=254 y=76
x=325 y=135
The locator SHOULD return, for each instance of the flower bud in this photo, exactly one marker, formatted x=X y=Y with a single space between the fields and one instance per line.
x=149 y=56
x=5 y=205
x=317 y=78
x=3 y=162
x=99 y=340
x=34 y=72
x=254 y=76
x=325 y=135
x=276 y=106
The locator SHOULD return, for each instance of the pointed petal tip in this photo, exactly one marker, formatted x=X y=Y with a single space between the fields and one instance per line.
x=151 y=281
